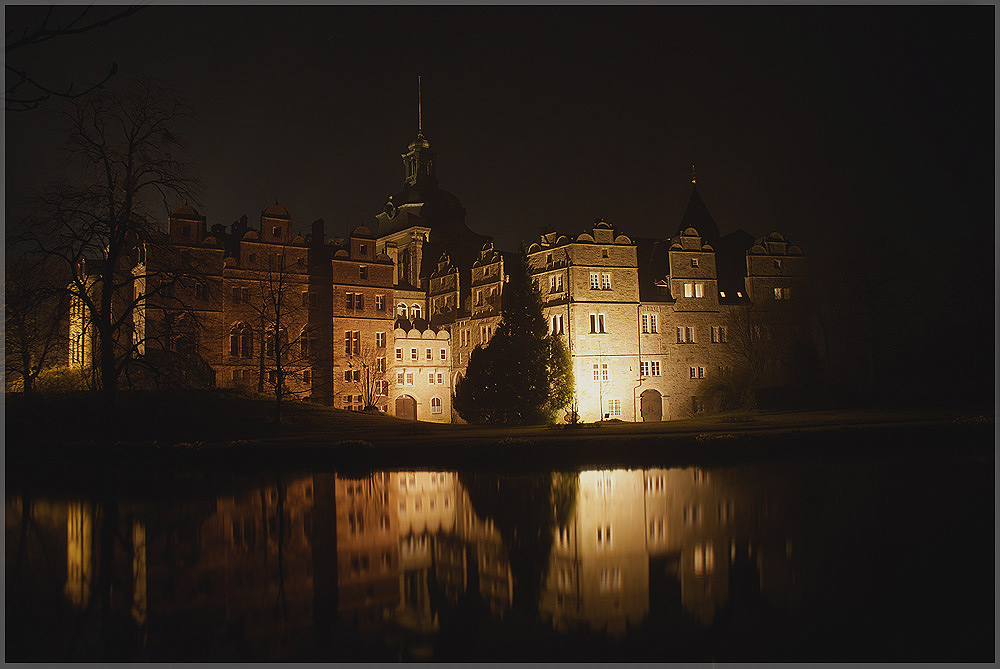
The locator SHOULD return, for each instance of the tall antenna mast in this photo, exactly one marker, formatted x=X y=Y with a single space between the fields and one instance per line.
x=420 y=118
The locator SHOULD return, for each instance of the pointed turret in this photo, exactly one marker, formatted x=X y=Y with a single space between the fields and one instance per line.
x=696 y=216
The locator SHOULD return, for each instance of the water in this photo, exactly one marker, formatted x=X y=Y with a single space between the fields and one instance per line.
x=854 y=559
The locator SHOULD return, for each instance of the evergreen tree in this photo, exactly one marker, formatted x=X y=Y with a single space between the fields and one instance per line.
x=524 y=375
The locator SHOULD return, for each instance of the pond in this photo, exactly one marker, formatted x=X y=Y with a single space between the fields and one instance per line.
x=835 y=560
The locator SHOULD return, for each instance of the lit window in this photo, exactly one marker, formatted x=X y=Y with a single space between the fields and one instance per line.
x=381 y=388
x=435 y=405
x=722 y=293
x=399 y=353
x=615 y=408
x=444 y=354
x=654 y=368
x=380 y=339
x=688 y=290
x=429 y=355
x=652 y=323
x=643 y=368
x=600 y=323
x=699 y=289
x=605 y=281
x=415 y=311
x=603 y=536
x=401 y=310
x=413 y=354
x=718 y=334
x=380 y=302
x=645 y=324
x=380 y=365
x=595 y=281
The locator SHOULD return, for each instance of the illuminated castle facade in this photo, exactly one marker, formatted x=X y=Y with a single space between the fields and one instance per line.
x=390 y=315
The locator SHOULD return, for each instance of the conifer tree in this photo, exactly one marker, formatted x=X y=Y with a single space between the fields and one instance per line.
x=523 y=376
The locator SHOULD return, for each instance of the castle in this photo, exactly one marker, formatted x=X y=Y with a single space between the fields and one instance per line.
x=389 y=316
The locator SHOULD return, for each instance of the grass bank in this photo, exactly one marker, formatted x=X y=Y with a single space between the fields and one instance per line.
x=221 y=429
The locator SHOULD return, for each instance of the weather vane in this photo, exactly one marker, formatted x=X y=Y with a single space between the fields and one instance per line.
x=420 y=119
x=694 y=180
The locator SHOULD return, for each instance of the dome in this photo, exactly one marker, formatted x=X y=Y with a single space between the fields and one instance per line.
x=186 y=212
x=275 y=211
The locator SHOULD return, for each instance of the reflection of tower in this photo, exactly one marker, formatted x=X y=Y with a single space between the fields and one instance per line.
x=367 y=554
x=79 y=553
x=598 y=573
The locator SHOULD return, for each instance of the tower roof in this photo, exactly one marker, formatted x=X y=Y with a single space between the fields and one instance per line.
x=696 y=216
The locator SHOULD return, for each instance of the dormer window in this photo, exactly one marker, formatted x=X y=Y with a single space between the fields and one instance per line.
x=548 y=258
x=252 y=257
x=604 y=253
x=694 y=262
x=777 y=263
x=277 y=231
x=362 y=249
x=363 y=271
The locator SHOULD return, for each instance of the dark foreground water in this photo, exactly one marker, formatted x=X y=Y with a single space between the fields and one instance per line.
x=886 y=558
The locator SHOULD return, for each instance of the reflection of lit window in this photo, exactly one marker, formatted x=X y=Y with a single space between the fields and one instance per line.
x=704 y=560
x=604 y=483
x=611 y=579
x=562 y=537
x=604 y=536
x=656 y=530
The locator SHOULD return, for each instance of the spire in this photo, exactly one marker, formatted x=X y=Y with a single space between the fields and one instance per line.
x=418 y=161
x=420 y=118
x=694 y=178
x=696 y=215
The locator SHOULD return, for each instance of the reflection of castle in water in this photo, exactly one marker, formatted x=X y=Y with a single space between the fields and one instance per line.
x=263 y=569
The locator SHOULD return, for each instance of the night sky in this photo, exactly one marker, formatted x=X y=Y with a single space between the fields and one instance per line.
x=817 y=122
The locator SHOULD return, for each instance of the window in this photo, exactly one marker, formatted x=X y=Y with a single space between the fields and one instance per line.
x=645 y=324
x=782 y=293
x=444 y=354
x=595 y=281
x=440 y=378
x=361 y=249
x=276 y=231
x=688 y=290
x=363 y=271
x=381 y=387
x=694 y=262
x=401 y=310
x=604 y=253
x=413 y=354
x=352 y=342
x=415 y=311
x=380 y=303
x=697 y=372
x=409 y=378
x=305 y=298
x=652 y=323
x=685 y=335
x=611 y=579
x=597 y=324
x=479 y=297
x=360 y=301
x=350 y=301
x=305 y=343
x=429 y=355
x=399 y=353
x=643 y=368
x=435 y=405
x=654 y=368
x=603 y=536
x=719 y=334
x=555 y=283
x=615 y=408
x=201 y=291
x=380 y=365
x=307 y=376
x=380 y=339
x=347 y=376
x=722 y=293
x=430 y=378
x=777 y=263
x=605 y=281
x=604 y=483
x=699 y=289
x=400 y=376
x=601 y=371
x=556 y=326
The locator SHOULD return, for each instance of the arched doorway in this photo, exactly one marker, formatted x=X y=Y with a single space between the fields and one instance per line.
x=406 y=408
x=651 y=406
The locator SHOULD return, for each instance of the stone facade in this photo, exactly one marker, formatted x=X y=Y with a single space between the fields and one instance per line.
x=652 y=325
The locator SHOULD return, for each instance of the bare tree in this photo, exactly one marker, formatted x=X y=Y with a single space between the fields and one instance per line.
x=96 y=225
x=281 y=320
x=368 y=373
x=25 y=92
x=34 y=308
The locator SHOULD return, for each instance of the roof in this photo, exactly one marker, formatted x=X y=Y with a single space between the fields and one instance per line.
x=276 y=211
x=696 y=216
x=187 y=213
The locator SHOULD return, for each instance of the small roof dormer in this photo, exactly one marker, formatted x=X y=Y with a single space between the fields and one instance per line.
x=186 y=225
x=275 y=225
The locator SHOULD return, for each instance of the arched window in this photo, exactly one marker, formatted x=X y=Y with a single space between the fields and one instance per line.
x=401 y=310
x=305 y=342
x=241 y=340
x=269 y=340
x=415 y=311
x=435 y=405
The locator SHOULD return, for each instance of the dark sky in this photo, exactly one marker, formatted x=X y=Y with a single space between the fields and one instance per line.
x=817 y=122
